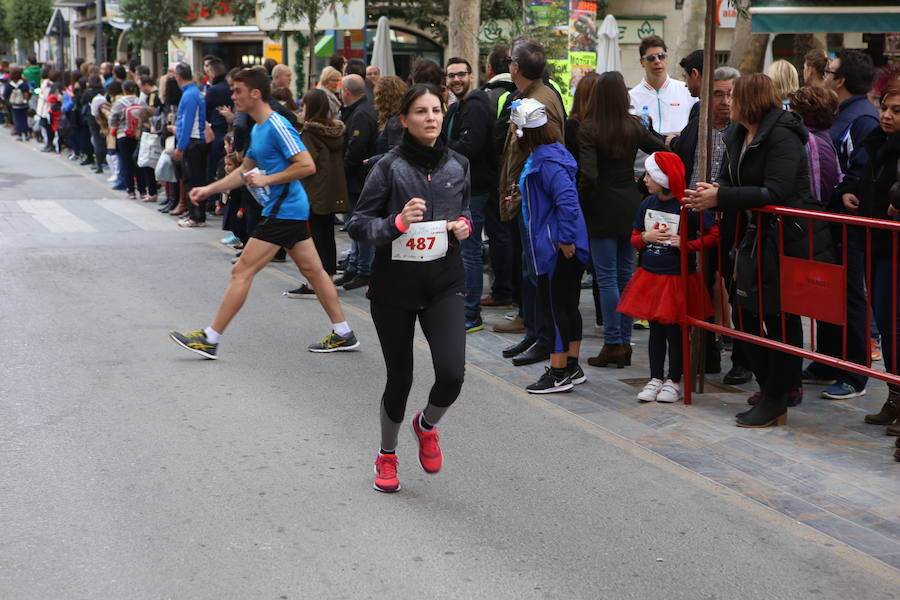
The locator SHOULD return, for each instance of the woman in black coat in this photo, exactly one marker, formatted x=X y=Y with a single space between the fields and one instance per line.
x=765 y=164
x=877 y=194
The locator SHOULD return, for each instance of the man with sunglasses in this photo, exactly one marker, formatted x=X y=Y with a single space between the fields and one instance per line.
x=668 y=100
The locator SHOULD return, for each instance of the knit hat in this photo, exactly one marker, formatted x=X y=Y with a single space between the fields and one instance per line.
x=527 y=113
x=666 y=169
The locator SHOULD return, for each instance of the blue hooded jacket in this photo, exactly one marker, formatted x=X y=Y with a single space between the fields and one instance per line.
x=550 y=207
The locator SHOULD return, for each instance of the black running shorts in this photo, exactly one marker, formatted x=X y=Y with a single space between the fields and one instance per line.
x=281 y=232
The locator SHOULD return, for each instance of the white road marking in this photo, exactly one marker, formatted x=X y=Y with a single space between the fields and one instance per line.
x=143 y=217
x=54 y=217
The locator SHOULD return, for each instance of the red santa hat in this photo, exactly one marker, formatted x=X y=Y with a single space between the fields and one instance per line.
x=666 y=169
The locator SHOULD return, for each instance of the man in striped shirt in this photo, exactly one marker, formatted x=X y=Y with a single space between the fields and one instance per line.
x=273 y=166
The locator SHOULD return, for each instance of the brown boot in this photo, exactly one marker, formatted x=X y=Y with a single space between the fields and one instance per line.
x=897 y=455
x=180 y=209
x=893 y=430
x=609 y=353
x=890 y=411
x=626 y=350
x=517 y=325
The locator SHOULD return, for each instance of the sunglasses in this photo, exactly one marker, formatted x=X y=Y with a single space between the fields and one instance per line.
x=661 y=56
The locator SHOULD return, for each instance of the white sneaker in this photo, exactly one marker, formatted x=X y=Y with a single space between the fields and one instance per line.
x=650 y=391
x=670 y=392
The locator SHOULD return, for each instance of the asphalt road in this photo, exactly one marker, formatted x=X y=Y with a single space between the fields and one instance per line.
x=130 y=468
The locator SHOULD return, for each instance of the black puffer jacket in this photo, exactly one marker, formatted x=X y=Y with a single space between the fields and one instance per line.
x=879 y=184
x=392 y=183
x=772 y=171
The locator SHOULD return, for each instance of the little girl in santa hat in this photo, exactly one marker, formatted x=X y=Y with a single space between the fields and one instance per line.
x=655 y=292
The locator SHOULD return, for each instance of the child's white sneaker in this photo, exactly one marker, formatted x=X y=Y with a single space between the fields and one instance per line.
x=670 y=392
x=650 y=391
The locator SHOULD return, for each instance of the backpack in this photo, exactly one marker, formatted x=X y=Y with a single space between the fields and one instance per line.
x=17 y=97
x=133 y=120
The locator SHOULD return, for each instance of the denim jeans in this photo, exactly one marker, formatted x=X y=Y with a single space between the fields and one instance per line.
x=472 y=259
x=536 y=328
x=359 y=260
x=612 y=258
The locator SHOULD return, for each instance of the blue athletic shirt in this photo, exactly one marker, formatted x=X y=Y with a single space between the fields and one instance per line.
x=272 y=144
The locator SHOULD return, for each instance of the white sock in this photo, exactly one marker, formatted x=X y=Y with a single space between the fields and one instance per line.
x=342 y=329
x=212 y=336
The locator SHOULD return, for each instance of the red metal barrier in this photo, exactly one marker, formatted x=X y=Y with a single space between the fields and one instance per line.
x=809 y=288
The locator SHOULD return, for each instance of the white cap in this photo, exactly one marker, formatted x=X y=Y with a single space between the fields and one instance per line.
x=527 y=113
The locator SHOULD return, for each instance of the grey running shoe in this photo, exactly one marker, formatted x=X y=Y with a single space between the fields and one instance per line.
x=195 y=341
x=335 y=343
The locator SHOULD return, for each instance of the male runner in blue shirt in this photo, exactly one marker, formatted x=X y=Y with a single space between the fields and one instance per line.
x=276 y=149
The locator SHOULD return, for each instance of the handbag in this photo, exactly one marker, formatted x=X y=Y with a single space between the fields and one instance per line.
x=149 y=151
x=746 y=280
x=165 y=168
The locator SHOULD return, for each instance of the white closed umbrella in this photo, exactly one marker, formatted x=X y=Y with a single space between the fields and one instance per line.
x=382 y=55
x=609 y=56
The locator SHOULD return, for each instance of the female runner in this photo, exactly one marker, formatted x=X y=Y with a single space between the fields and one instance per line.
x=414 y=209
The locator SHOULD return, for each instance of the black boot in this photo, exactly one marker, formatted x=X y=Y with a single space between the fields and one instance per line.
x=771 y=410
x=891 y=409
x=516 y=349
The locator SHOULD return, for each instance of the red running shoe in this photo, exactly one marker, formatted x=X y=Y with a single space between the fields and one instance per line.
x=430 y=456
x=386 y=479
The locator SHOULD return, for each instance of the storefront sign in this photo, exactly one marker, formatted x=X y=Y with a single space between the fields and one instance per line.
x=273 y=51
x=892 y=44
x=633 y=29
x=726 y=13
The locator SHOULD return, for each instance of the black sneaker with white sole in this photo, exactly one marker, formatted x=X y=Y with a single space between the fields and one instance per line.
x=550 y=383
x=577 y=375
x=304 y=291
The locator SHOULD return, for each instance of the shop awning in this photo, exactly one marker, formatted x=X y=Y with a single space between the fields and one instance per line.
x=798 y=16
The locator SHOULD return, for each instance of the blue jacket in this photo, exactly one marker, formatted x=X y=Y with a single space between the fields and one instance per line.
x=191 y=120
x=550 y=207
x=856 y=118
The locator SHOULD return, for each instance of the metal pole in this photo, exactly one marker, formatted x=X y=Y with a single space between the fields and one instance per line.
x=284 y=47
x=704 y=139
x=98 y=34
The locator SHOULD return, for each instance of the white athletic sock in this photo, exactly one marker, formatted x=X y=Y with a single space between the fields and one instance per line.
x=212 y=336
x=342 y=329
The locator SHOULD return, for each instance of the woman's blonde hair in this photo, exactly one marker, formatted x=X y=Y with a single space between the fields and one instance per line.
x=328 y=73
x=784 y=76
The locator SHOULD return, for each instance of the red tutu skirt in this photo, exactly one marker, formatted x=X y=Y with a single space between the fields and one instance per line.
x=660 y=298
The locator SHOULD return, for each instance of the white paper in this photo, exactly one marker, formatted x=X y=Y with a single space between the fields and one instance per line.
x=423 y=242
x=663 y=221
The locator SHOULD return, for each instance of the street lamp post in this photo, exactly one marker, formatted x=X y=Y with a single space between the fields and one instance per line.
x=98 y=35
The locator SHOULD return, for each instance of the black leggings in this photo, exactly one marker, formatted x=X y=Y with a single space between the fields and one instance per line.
x=322 y=229
x=444 y=326
x=660 y=336
x=559 y=299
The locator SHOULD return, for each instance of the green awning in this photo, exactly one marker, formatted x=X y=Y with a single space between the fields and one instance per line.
x=325 y=46
x=799 y=16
